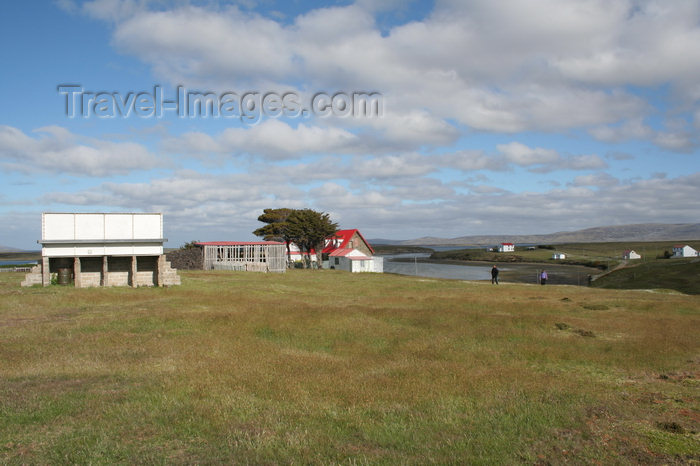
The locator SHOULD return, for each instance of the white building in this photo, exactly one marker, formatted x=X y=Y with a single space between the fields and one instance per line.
x=103 y=249
x=295 y=254
x=630 y=255
x=352 y=260
x=558 y=256
x=250 y=256
x=506 y=247
x=684 y=251
x=344 y=250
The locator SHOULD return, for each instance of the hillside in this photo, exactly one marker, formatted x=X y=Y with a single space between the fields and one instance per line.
x=671 y=274
x=636 y=232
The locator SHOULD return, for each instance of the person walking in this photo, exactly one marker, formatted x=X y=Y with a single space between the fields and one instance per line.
x=543 y=277
x=494 y=275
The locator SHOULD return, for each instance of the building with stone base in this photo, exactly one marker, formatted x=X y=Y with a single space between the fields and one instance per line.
x=102 y=249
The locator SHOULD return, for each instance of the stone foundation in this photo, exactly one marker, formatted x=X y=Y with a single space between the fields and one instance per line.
x=88 y=272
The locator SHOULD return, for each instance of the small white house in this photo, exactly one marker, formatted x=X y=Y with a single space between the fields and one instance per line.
x=684 y=251
x=352 y=260
x=506 y=247
x=558 y=256
x=630 y=255
x=295 y=254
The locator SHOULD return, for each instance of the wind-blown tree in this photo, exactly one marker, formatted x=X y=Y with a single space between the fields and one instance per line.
x=308 y=229
x=275 y=230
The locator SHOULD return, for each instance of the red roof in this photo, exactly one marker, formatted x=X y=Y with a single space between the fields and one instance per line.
x=344 y=236
x=239 y=243
x=507 y=244
x=345 y=253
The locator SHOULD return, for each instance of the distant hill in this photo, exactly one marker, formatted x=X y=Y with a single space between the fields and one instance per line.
x=636 y=232
x=9 y=249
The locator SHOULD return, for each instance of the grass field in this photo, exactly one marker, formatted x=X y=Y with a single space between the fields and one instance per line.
x=330 y=367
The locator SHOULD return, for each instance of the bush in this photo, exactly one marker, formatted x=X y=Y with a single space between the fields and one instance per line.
x=189 y=258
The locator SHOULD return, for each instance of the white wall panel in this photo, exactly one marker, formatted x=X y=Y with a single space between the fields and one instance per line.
x=58 y=227
x=119 y=226
x=63 y=251
x=89 y=226
x=89 y=250
x=148 y=226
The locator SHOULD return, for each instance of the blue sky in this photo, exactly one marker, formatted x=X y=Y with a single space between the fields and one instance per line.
x=509 y=117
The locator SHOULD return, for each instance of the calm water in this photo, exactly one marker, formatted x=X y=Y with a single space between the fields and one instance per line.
x=422 y=269
x=17 y=262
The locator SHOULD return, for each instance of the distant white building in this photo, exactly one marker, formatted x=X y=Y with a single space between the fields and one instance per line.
x=506 y=247
x=684 y=251
x=630 y=255
x=558 y=256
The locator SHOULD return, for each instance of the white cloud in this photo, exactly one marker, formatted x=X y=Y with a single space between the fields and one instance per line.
x=536 y=160
x=631 y=129
x=581 y=162
x=675 y=138
x=472 y=161
x=517 y=71
x=474 y=87
x=226 y=206
x=677 y=142
x=190 y=43
x=597 y=179
x=271 y=139
x=56 y=150
x=277 y=140
x=524 y=156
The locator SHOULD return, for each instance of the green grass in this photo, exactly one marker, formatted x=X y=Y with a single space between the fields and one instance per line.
x=672 y=274
x=330 y=367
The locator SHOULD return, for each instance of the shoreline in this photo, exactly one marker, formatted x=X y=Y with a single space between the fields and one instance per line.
x=523 y=272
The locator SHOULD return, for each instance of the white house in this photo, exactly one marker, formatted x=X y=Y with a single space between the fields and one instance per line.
x=345 y=250
x=506 y=247
x=684 y=251
x=558 y=256
x=103 y=249
x=630 y=255
x=295 y=253
x=352 y=260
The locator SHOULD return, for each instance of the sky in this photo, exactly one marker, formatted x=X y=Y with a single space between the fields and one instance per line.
x=402 y=119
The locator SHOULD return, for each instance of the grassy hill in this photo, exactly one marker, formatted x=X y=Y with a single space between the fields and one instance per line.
x=330 y=367
x=386 y=249
x=20 y=256
x=673 y=274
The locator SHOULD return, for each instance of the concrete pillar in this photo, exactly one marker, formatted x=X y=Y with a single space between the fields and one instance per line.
x=104 y=279
x=77 y=272
x=160 y=267
x=134 y=269
x=45 y=272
